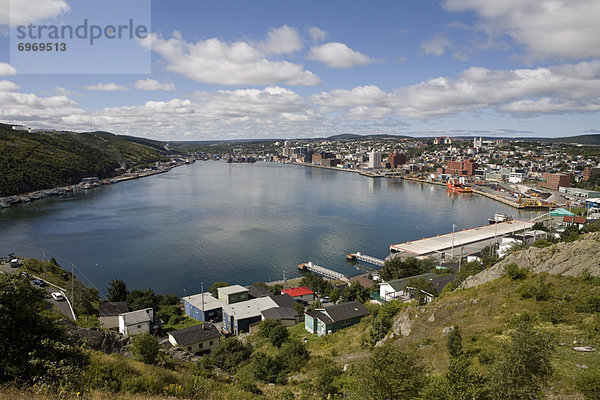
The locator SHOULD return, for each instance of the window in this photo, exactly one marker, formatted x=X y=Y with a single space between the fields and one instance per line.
x=211 y=342
x=189 y=348
x=139 y=327
x=201 y=345
x=346 y=322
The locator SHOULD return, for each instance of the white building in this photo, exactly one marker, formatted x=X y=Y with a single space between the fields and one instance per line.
x=374 y=160
x=136 y=322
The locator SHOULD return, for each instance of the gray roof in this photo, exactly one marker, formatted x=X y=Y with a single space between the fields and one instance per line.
x=400 y=284
x=210 y=303
x=280 y=313
x=113 y=308
x=249 y=308
x=320 y=315
x=258 y=291
x=340 y=312
x=232 y=289
x=195 y=334
x=283 y=300
x=137 y=317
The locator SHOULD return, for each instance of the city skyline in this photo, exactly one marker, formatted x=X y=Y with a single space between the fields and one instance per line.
x=237 y=70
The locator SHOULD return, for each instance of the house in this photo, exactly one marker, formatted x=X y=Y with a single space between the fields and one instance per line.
x=238 y=317
x=255 y=292
x=287 y=316
x=196 y=339
x=109 y=313
x=336 y=317
x=574 y=220
x=397 y=289
x=136 y=322
x=232 y=294
x=203 y=307
x=300 y=293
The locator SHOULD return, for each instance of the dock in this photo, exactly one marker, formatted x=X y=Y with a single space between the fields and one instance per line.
x=443 y=243
x=327 y=273
x=368 y=259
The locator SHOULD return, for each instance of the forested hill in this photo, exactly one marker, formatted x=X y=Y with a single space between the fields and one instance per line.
x=36 y=161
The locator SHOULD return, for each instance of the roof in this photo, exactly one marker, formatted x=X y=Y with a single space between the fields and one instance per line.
x=575 y=220
x=400 y=284
x=233 y=289
x=113 y=308
x=258 y=291
x=249 y=308
x=363 y=281
x=280 y=313
x=556 y=199
x=283 y=300
x=137 y=317
x=320 y=315
x=299 y=291
x=560 y=212
x=210 y=303
x=195 y=334
x=352 y=309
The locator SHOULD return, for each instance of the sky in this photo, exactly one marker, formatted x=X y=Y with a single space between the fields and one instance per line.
x=298 y=69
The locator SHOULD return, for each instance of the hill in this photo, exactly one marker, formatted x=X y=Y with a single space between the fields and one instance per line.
x=36 y=161
x=589 y=140
x=349 y=136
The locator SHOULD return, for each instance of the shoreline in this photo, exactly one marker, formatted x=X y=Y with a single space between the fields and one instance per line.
x=59 y=191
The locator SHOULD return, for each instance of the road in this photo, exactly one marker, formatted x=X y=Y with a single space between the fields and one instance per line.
x=61 y=306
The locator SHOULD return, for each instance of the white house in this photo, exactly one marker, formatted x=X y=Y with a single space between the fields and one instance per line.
x=196 y=339
x=136 y=322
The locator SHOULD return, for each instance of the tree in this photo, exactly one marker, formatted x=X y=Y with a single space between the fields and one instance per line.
x=145 y=348
x=334 y=296
x=138 y=299
x=32 y=348
x=396 y=268
x=231 y=354
x=524 y=365
x=213 y=288
x=299 y=308
x=278 y=335
x=117 y=290
x=265 y=368
x=454 y=343
x=265 y=326
x=324 y=382
x=390 y=373
x=355 y=292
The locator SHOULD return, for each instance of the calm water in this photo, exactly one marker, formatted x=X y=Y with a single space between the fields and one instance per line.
x=240 y=223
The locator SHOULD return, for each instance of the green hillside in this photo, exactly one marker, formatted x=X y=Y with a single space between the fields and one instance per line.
x=36 y=161
x=589 y=140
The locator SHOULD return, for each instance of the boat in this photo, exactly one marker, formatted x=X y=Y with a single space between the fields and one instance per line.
x=459 y=187
x=500 y=218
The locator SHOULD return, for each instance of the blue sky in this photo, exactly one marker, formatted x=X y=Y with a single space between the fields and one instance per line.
x=274 y=69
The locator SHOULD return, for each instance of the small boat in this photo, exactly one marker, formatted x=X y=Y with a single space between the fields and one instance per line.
x=458 y=187
x=500 y=218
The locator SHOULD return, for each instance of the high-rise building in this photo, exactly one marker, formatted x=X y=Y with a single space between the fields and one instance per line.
x=374 y=160
x=589 y=172
x=554 y=181
x=467 y=168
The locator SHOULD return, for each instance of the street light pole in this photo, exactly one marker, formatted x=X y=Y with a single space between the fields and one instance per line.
x=452 y=251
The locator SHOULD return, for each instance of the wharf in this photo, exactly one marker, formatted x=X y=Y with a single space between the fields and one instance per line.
x=441 y=243
x=327 y=273
x=368 y=259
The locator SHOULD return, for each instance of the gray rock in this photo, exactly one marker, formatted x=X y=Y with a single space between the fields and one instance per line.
x=432 y=318
x=447 y=330
x=98 y=339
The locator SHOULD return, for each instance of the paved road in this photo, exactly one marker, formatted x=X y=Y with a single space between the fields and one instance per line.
x=61 y=306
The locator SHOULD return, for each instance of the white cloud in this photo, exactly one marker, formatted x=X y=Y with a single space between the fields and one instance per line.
x=8 y=86
x=237 y=63
x=317 y=34
x=106 y=87
x=436 y=45
x=360 y=95
x=282 y=40
x=151 y=84
x=23 y=12
x=338 y=55
x=7 y=69
x=547 y=28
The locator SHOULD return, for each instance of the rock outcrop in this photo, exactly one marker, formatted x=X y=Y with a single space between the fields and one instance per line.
x=98 y=339
x=567 y=259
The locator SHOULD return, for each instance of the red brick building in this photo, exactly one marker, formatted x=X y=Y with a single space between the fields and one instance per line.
x=589 y=172
x=396 y=159
x=554 y=181
x=465 y=168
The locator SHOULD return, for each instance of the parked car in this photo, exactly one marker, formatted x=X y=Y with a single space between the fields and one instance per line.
x=324 y=299
x=26 y=275
x=14 y=263
x=40 y=283
x=58 y=296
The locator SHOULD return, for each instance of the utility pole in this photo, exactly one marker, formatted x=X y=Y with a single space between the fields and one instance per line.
x=203 y=313
x=460 y=259
x=44 y=258
x=73 y=284
x=452 y=251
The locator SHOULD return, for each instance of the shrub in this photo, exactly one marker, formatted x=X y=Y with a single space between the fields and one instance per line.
x=515 y=273
x=588 y=384
x=538 y=289
x=588 y=304
x=265 y=368
x=265 y=327
x=145 y=348
x=293 y=355
x=278 y=335
x=325 y=382
x=231 y=354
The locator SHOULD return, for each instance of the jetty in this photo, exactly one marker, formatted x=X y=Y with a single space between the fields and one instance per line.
x=326 y=272
x=363 y=257
x=449 y=242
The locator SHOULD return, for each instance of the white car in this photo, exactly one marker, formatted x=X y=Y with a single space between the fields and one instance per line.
x=58 y=296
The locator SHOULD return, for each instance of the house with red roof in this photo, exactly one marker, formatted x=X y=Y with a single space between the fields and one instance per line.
x=300 y=293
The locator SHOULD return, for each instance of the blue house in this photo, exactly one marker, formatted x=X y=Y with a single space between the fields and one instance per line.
x=203 y=307
x=330 y=319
